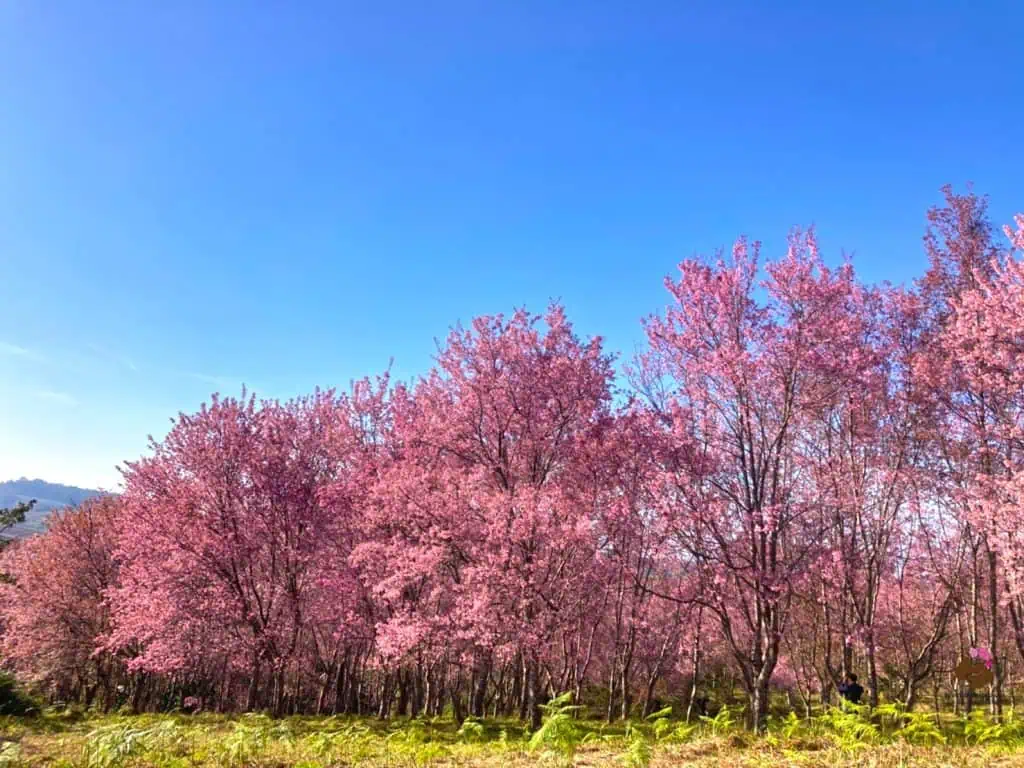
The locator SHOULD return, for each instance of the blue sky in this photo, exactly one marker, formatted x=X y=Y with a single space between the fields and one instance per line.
x=197 y=194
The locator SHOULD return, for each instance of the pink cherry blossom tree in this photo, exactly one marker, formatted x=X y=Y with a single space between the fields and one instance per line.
x=480 y=541
x=740 y=379
x=53 y=611
x=226 y=541
x=967 y=442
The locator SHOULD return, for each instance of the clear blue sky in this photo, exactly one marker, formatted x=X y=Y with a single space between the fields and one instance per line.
x=196 y=194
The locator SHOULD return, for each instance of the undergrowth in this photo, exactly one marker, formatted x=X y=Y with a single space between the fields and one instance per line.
x=845 y=735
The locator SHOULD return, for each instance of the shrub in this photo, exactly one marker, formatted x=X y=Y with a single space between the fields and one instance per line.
x=14 y=700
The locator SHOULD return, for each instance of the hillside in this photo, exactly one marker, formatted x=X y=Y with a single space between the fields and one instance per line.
x=48 y=496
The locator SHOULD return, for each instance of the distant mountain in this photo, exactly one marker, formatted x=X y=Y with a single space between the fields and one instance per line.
x=48 y=496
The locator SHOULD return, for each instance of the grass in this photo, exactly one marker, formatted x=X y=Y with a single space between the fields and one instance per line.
x=888 y=737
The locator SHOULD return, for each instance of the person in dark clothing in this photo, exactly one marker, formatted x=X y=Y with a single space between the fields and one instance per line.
x=850 y=690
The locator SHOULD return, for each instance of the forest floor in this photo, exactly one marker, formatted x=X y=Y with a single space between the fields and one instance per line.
x=70 y=740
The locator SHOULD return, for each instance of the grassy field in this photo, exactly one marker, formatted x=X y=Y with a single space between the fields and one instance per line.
x=189 y=741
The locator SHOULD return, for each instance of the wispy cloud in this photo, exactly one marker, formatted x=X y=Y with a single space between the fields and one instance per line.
x=13 y=350
x=227 y=385
x=113 y=357
x=60 y=398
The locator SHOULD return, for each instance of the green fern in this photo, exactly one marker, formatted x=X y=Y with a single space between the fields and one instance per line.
x=472 y=731
x=559 y=733
x=661 y=714
x=638 y=754
x=683 y=732
x=323 y=743
x=920 y=728
x=428 y=753
x=791 y=725
x=111 y=745
x=662 y=723
x=10 y=754
x=245 y=742
x=723 y=721
x=850 y=726
x=978 y=729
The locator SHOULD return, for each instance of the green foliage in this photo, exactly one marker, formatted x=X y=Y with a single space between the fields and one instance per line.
x=559 y=734
x=14 y=700
x=169 y=737
x=912 y=727
x=429 y=753
x=639 y=753
x=248 y=740
x=977 y=729
x=850 y=726
x=323 y=743
x=838 y=736
x=413 y=732
x=10 y=753
x=662 y=714
x=472 y=731
x=661 y=722
x=111 y=745
x=13 y=515
x=921 y=728
x=598 y=735
x=790 y=725
x=683 y=732
x=723 y=721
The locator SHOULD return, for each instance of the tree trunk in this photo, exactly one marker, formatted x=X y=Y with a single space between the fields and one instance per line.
x=479 y=699
x=759 y=705
x=648 y=707
x=910 y=698
x=384 y=706
x=694 y=669
x=996 y=689
x=610 y=715
x=533 y=692
x=872 y=671
x=254 y=684
x=458 y=710
x=627 y=694
x=339 y=686
x=404 y=683
x=279 y=692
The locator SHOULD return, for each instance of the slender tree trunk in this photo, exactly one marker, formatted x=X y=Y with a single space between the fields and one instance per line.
x=524 y=688
x=137 y=691
x=626 y=693
x=384 y=705
x=404 y=683
x=278 y=704
x=759 y=704
x=483 y=674
x=458 y=709
x=533 y=692
x=647 y=707
x=612 y=677
x=872 y=671
x=910 y=699
x=416 y=702
x=516 y=675
x=251 y=699
x=996 y=690
x=694 y=669
x=339 y=685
